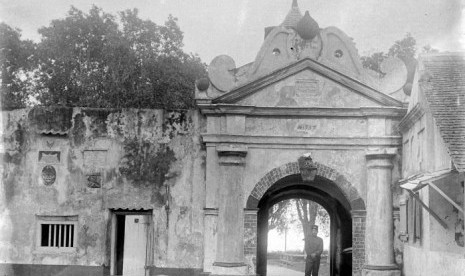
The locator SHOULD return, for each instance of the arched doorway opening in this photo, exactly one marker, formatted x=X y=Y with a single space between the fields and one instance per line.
x=323 y=192
x=289 y=226
x=329 y=189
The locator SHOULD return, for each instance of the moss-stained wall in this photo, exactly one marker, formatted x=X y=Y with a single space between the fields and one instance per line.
x=87 y=162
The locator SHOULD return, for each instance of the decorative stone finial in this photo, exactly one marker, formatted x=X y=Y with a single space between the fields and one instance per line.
x=307 y=27
x=293 y=16
x=202 y=84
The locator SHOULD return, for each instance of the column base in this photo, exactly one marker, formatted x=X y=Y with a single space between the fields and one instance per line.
x=380 y=270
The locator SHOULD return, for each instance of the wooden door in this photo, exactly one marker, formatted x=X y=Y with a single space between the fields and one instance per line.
x=135 y=245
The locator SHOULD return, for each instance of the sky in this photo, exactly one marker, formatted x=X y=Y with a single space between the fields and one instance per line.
x=291 y=242
x=236 y=27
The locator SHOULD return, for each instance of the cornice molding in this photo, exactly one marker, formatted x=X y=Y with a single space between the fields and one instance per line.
x=247 y=110
x=409 y=120
x=250 y=140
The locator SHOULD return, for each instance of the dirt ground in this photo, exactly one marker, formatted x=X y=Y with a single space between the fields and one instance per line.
x=279 y=268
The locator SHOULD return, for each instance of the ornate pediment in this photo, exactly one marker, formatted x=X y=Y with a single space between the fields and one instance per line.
x=306 y=83
x=297 y=45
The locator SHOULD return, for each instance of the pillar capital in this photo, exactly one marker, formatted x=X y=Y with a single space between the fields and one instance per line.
x=386 y=153
x=358 y=213
x=380 y=158
x=232 y=155
x=250 y=211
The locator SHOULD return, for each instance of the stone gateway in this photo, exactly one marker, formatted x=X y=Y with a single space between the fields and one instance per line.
x=157 y=192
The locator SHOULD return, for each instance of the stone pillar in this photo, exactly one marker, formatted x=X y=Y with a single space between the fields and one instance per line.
x=230 y=243
x=210 y=237
x=379 y=236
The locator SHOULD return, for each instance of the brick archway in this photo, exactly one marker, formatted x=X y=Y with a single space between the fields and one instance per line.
x=349 y=191
x=357 y=209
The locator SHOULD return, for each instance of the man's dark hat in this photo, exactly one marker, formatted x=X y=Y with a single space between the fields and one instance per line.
x=315 y=227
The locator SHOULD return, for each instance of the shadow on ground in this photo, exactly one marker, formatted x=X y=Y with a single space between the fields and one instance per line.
x=280 y=268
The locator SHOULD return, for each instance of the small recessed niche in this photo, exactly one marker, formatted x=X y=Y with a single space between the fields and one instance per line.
x=276 y=52
x=338 y=53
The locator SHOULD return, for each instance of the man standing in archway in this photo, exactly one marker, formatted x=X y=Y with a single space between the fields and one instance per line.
x=313 y=249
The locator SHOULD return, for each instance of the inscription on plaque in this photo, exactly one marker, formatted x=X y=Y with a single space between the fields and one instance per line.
x=49 y=157
x=94 y=160
x=307 y=88
x=306 y=128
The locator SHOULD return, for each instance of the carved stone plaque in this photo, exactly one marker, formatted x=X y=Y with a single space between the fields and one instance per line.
x=94 y=180
x=49 y=175
x=306 y=88
x=94 y=160
x=49 y=157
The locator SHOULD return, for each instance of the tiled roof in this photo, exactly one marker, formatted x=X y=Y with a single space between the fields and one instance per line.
x=443 y=83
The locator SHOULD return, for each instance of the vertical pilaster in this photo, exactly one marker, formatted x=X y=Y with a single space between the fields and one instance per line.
x=379 y=236
x=210 y=237
x=230 y=242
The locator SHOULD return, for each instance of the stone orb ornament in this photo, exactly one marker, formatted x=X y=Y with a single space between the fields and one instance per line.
x=203 y=84
x=307 y=27
x=49 y=175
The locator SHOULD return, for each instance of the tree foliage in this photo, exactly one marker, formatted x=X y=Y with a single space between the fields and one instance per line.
x=16 y=61
x=96 y=59
x=281 y=215
x=305 y=212
x=404 y=49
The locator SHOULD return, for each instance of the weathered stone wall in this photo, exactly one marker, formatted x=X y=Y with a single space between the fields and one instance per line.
x=425 y=262
x=345 y=161
x=86 y=162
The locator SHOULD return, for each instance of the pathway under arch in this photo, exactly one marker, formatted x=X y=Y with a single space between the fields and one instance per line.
x=332 y=191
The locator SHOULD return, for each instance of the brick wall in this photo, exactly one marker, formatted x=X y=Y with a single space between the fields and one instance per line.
x=349 y=191
x=358 y=241
x=250 y=232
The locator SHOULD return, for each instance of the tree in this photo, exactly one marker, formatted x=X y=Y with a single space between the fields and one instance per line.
x=282 y=214
x=428 y=49
x=374 y=61
x=16 y=59
x=404 y=49
x=94 y=60
x=306 y=212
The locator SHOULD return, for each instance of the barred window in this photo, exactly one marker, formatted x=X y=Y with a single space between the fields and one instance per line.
x=57 y=235
x=57 y=232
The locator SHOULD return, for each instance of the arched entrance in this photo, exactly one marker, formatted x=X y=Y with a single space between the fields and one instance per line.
x=329 y=189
